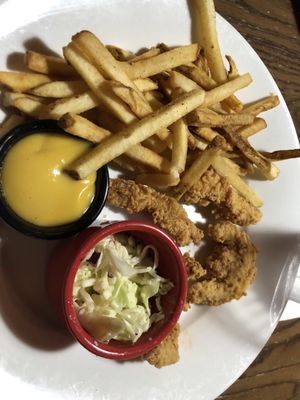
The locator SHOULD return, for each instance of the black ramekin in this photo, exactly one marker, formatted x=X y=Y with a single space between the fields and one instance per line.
x=53 y=232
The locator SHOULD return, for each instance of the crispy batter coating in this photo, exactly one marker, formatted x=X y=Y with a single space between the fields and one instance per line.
x=167 y=352
x=194 y=269
x=230 y=205
x=230 y=268
x=166 y=211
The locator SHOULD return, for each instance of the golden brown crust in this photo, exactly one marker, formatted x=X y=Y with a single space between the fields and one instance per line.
x=231 y=267
x=230 y=205
x=167 y=352
x=166 y=211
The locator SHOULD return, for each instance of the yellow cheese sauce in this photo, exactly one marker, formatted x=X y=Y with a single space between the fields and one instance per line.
x=35 y=186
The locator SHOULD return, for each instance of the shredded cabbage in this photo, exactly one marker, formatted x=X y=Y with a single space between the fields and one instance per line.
x=113 y=286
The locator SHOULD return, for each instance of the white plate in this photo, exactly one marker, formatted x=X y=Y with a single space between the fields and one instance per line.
x=37 y=359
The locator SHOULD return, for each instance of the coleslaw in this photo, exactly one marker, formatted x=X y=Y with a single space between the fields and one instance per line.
x=113 y=287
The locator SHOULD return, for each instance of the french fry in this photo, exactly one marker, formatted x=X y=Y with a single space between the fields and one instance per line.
x=235 y=167
x=103 y=60
x=161 y=181
x=208 y=118
x=180 y=146
x=131 y=97
x=215 y=95
x=225 y=90
x=32 y=107
x=76 y=104
x=194 y=143
x=22 y=81
x=49 y=65
x=178 y=80
x=154 y=51
x=209 y=38
x=82 y=127
x=280 y=155
x=124 y=88
x=267 y=168
x=118 y=53
x=233 y=71
x=196 y=170
x=11 y=122
x=202 y=63
x=95 y=81
x=209 y=134
x=249 y=130
x=9 y=98
x=125 y=163
x=223 y=168
x=199 y=76
x=135 y=133
x=162 y=62
x=262 y=105
x=145 y=84
x=60 y=89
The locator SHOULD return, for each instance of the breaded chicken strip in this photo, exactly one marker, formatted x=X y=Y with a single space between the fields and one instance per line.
x=167 y=352
x=166 y=211
x=213 y=188
x=230 y=268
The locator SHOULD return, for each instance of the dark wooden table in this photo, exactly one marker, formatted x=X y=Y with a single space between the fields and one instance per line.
x=272 y=29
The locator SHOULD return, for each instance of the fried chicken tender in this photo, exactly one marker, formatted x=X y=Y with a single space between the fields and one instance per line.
x=230 y=205
x=166 y=211
x=194 y=269
x=229 y=269
x=167 y=352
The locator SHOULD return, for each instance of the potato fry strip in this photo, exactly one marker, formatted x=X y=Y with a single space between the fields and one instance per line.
x=262 y=105
x=225 y=90
x=178 y=80
x=32 y=107
x=8 y=98
x=95 y=81
x=162 y=62
x=49 y=65
x=196 y=170
x=60 y=89
x=145 y=84
x=180 y=146
x=82 y=127
x=11 y=122
x=199 y=76
x=79 y=126
x=136 y=133
x=161 y=181
x=154 y=51
x=215 y=95
x=22 y=81
x=224 y=169
x=208 y=118
x=75 y=104
x=118 y=53
x=209 y=38
x=280 y=155
x=267 y=168
x=258 y=125
x=233 y=71
x=124 y=88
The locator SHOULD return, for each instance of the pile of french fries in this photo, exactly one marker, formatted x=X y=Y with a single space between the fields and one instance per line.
x=164 y=114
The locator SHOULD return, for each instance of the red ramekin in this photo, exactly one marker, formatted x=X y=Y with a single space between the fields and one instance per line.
x=66 y=260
